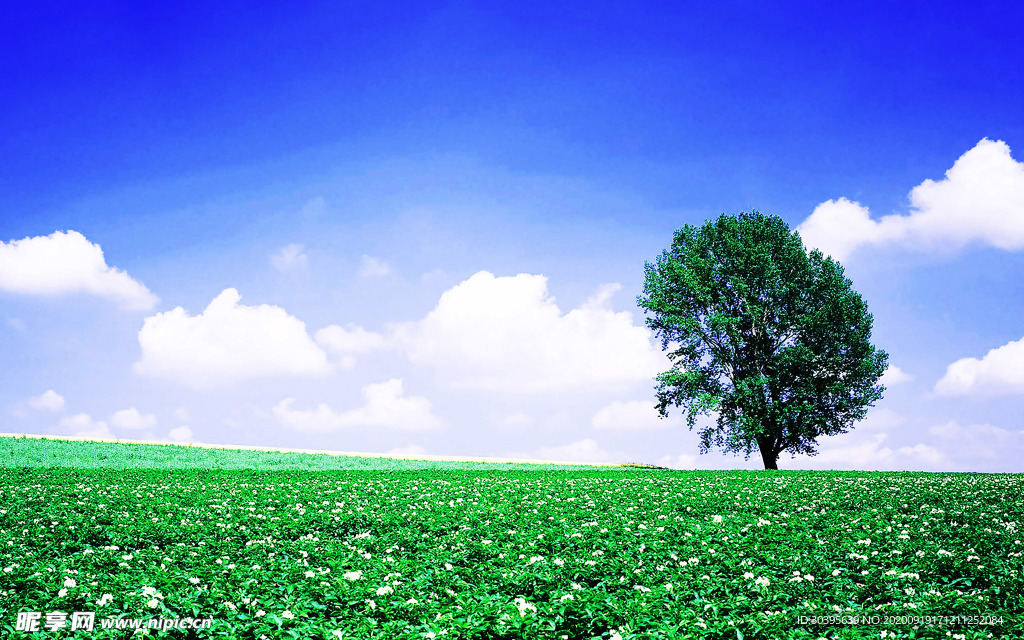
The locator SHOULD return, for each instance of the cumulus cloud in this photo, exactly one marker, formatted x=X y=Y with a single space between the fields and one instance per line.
x=855 y=451
x=981 y=199
x=371 y=267
x=181 y=434
x=894 y=375
x=66 y=262
x=348 y=342
x=586 y=450
x=681 y=461
x=384 y=405
x=980 y=447
x=227 y=343
x=289 y=258
x=49 y=400
x=999 y=372
x=629 y=416
x=132 y=419
x=506 y=334
x=82 y=426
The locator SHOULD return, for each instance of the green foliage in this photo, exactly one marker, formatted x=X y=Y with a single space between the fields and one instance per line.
x=82 y=454
x=772 y=338
x=514 y=554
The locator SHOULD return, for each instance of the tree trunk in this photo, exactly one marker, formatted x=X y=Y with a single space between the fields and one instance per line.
x=768 y=456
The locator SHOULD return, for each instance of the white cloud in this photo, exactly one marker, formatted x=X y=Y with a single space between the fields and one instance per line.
x=854 y=451
x=66 y=262
x=837 y=227
x=1000 y=372
x=384 y=406
x=82 y=426
x=980 y=447
x=371 y=267
x=586 y=450
x=894 y=376
x=49 y=400
x=681 y=461
x=289 y=258
x=181 y=434
x=226 y=344
x=981 y=199
x=132 y=419
x=506 y=334
x=182 y=414
x=629 y=416
x=347 y=342
x=410 y=451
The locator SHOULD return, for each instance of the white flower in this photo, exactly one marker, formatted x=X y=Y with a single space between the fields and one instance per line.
x=62 y=593
x=353 y=575
x=153 y=603
x=448 y=566
x=412 y=601
x=261 y=613
x=287 y=615
x=567 y=596
x=385 y=590
x=70 y=583
x=835 y=572
x=762 y=581
x=716 y=518
x=194 y=580
x=149 y=591
x=524 y=606
x=309 y=574
x=748 y=575
x=230 y=605
x=104 y=599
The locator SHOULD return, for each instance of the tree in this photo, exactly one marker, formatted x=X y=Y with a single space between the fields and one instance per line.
x=772 y=338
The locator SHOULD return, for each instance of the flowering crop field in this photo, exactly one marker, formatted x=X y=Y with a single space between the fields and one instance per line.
x=493 y=554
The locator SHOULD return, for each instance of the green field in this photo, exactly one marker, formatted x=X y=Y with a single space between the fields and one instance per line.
x=40 y=452
x=544 y=552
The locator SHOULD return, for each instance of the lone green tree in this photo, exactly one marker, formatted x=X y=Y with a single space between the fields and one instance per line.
x=773 y=339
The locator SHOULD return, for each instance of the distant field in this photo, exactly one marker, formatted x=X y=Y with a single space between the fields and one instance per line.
x=84 y=454
x=396 y=552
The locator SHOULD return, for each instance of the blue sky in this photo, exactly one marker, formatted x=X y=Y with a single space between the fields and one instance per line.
x=421 y=228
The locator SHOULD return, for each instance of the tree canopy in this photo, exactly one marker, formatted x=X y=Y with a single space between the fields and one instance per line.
x=772 y=338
